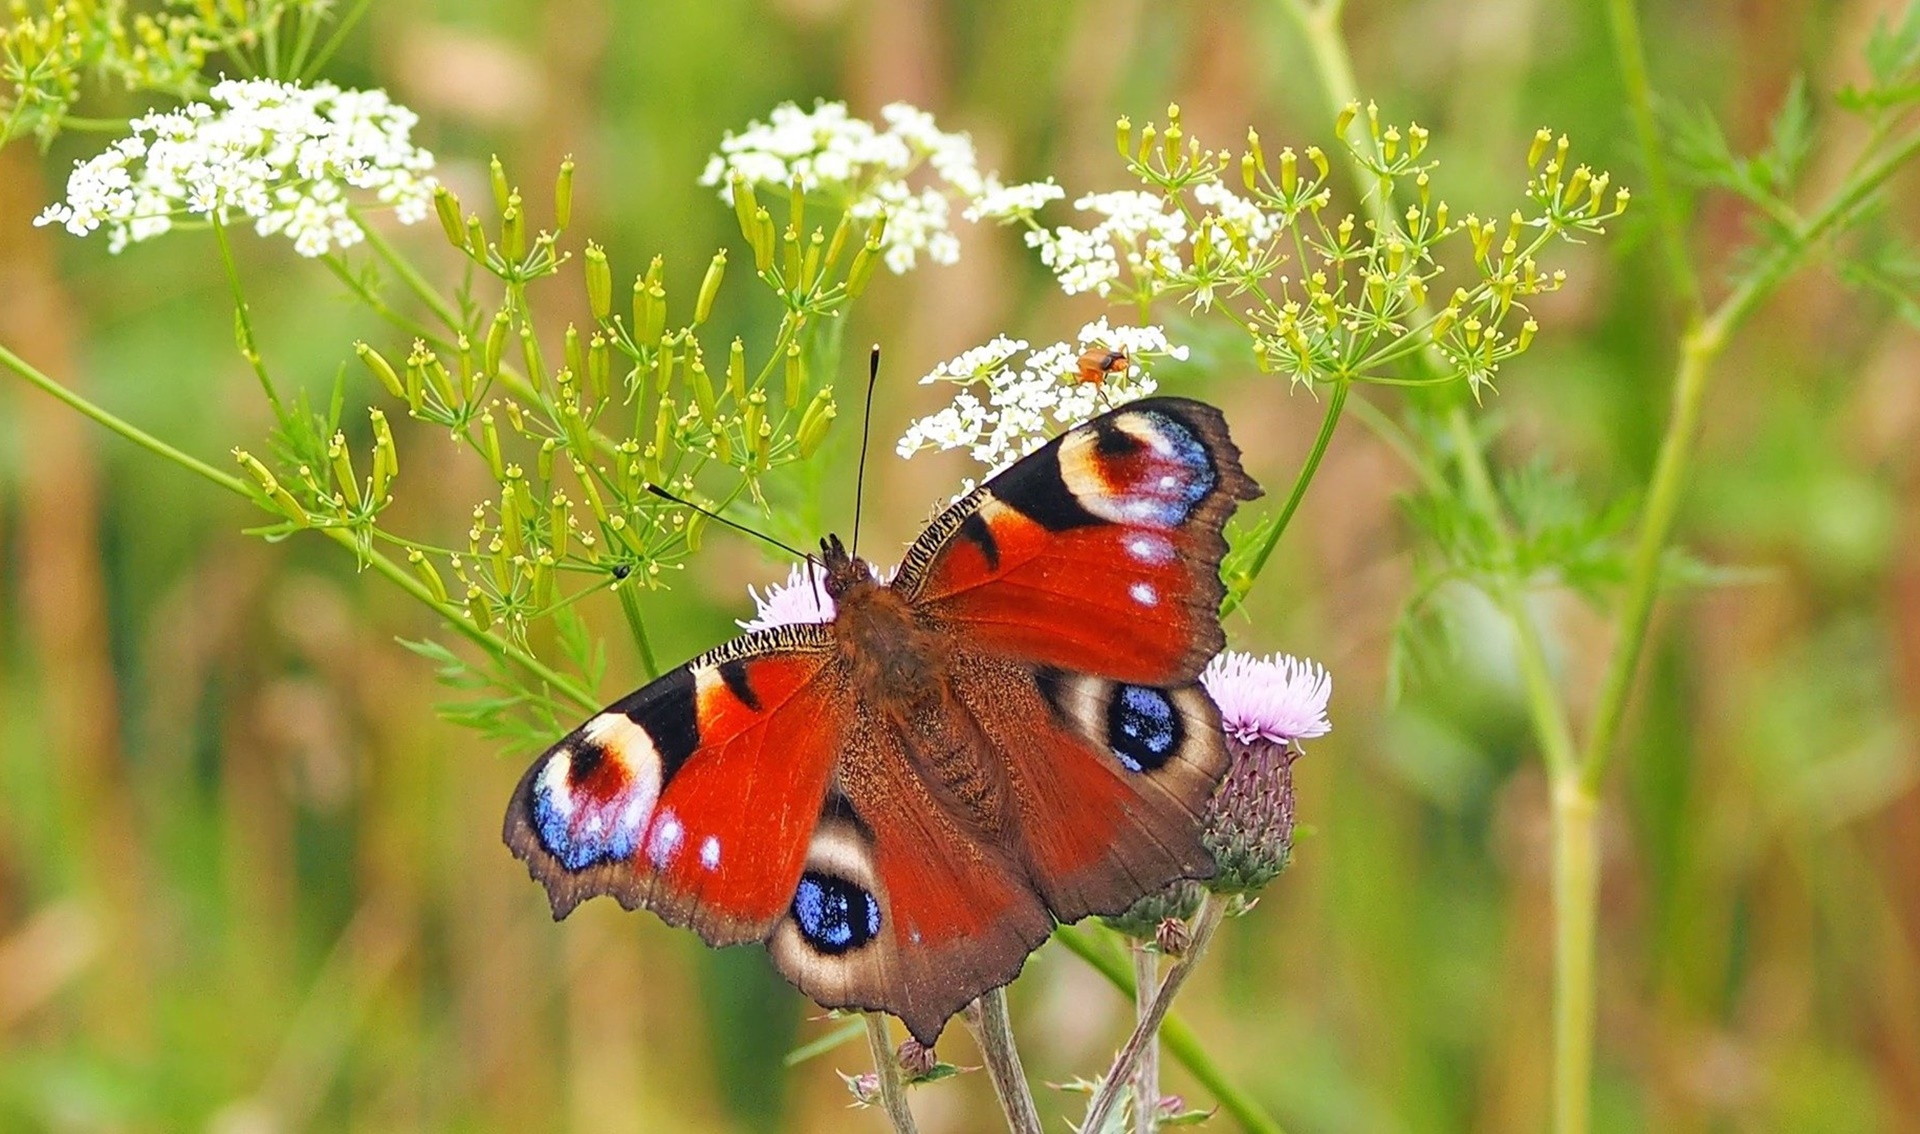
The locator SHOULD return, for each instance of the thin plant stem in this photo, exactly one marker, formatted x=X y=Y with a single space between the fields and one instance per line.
x=1698 y=352
x=1177 y=1037
x=1576 y=895
x=121 y=426
x=243 y=315
x=394 y=572
x=992 y=1029
x=630 y=606
x=1630 y=53
x=886 y=1066
x=1212 y=909
x=1238 y=588
x=1146 y=1078
x=408 y=274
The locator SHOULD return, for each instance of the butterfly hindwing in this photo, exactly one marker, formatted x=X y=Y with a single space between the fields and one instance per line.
x=1099 y=552
x=1110 y=780
x=907 y=904
x=696 y=795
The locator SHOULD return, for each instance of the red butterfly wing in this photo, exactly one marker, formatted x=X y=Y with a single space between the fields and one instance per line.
x=906 y=905
x=696 y=795
x=1099 y=552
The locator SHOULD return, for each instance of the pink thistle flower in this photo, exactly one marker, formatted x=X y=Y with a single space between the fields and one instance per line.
x=802 y=598
x=1266 y=706
x=1275 y=699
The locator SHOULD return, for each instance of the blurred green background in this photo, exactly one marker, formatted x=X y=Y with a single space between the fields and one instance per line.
x=250 y=883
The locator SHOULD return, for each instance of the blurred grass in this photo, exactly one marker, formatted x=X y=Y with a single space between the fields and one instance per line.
x=249 y=883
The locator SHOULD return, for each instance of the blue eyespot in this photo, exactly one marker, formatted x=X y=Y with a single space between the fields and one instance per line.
x=833 y=914
x=1143 y=727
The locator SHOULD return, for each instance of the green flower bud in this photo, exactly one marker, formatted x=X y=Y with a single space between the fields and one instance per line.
x=1123 y=136
x=710 y=286
x=497 y=175
x=423 y=567
x=796 y=374
x=343 y=468
x=815 y=422
x=1542 y=138
x=762 y=238
x=490 y=445
x=599 y=282
x=381 y=369
x=737 y=370
x=702 y=388
x=563 y=194
x=530 y=353
x=282 y=499
x=448 y=207
x=599 y=366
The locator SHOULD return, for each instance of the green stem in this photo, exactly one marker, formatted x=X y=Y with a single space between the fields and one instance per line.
x=630 y=606
x=1701 y=347
x=1179 y=1039
x=1576 y=894
x=886 y=1065
x=243 y=315
x=1146 y=1078
x=1630 y=52
x=408 y=274
x=336 y=39
x=1239 y=586
x=393 y=571
x=124 y=428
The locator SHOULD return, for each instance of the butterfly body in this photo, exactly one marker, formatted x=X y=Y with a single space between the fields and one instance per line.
x=902 y=801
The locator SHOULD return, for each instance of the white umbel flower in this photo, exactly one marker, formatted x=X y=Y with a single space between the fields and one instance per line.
x=863 y=168
x=279 y=153
x=1008 y=405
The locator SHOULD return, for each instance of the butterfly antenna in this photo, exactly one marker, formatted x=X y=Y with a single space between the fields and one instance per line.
x=866 y=432
x=713 y=515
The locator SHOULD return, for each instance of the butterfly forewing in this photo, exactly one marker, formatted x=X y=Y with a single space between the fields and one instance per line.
x=696 y=795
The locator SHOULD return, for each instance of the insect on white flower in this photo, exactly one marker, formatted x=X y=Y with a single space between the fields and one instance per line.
x=282 y=154
x=1029 y=400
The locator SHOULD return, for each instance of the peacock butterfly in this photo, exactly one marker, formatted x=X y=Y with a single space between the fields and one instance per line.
x=903 y=801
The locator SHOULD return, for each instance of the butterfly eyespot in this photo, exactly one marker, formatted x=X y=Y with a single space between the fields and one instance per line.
x=1143 y=727
x=834 y=915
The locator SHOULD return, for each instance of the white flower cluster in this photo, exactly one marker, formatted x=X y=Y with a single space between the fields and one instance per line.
x=1024 y=404
x=282 y=154
x=1137 y=229
x=1011 y=202
x=867 y=169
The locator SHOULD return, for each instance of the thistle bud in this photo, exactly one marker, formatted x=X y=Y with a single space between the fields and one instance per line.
x=815 y=422
x=916 y=1059
x=710 y=286
x=1141 y=921
x=381 y=369
x=447 y=206
x=563 y=194
x=1173 y=936
x=599 y=282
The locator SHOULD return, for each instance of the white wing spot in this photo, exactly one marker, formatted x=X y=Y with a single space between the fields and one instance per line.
x=1144 y=594
x=1153 y=550
x=710 y=852
x=665 y=842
